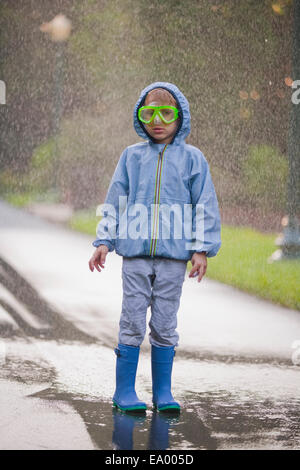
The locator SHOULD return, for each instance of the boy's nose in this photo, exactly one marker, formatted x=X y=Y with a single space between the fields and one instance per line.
x=157 y=119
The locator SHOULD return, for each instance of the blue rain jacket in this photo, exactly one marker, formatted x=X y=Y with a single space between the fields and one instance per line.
x=150 y=178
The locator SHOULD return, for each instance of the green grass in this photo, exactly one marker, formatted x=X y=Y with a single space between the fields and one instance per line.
x=85 y=221
x=243 y=263
x=24 y=198
x=20 y=199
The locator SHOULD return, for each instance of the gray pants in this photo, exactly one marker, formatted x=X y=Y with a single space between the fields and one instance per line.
x=156 y=282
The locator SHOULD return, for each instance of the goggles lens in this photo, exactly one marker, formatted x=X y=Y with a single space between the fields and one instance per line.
x=167 y=114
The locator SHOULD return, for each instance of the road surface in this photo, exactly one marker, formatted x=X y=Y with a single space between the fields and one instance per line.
x=233 y=372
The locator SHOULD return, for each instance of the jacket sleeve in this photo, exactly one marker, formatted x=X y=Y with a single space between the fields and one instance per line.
x=206 y=222
x=119 y=186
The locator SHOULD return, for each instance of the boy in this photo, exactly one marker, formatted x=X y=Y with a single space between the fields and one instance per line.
x=150 y=178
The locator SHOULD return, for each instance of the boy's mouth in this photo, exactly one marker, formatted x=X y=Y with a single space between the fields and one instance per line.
x=158 y=129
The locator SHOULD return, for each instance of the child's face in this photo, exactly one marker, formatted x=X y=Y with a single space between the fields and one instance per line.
x=162 y=133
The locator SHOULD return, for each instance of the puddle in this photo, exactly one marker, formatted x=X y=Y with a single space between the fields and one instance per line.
x=224 y=406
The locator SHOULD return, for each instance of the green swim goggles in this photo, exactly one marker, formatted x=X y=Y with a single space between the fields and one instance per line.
x=167 y=114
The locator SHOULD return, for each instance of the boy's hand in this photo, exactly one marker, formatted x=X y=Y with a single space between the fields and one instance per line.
x=98 y=258
x=199 y=263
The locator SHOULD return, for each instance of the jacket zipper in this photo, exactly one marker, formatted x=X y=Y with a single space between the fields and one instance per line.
x=156 y=201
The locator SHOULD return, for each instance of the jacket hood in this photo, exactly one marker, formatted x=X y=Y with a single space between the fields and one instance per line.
x=184 y=127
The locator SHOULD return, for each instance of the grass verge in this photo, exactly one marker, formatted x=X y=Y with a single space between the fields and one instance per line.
x=243 y=263
x=85 y=221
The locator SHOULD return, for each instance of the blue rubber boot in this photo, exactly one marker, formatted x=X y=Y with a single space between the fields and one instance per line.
x=125 y=397
x=162 y=363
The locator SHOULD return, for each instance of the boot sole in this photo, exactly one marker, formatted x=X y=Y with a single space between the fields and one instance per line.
x=170 y=408
x=134 y=408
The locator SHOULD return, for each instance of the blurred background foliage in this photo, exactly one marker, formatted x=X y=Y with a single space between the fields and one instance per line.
x=229 y=57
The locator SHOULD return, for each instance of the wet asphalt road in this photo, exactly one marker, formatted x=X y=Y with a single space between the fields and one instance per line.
x=233 y=372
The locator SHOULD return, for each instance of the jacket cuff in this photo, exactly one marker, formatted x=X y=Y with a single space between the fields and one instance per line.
x=107 y=243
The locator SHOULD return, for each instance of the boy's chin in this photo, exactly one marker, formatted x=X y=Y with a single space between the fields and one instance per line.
x=161 y=138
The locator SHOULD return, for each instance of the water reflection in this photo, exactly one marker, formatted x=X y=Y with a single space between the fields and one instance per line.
x=211 y=421
x=110 y=428
x=124 y=424
x=160 y=425
x=159 y=431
